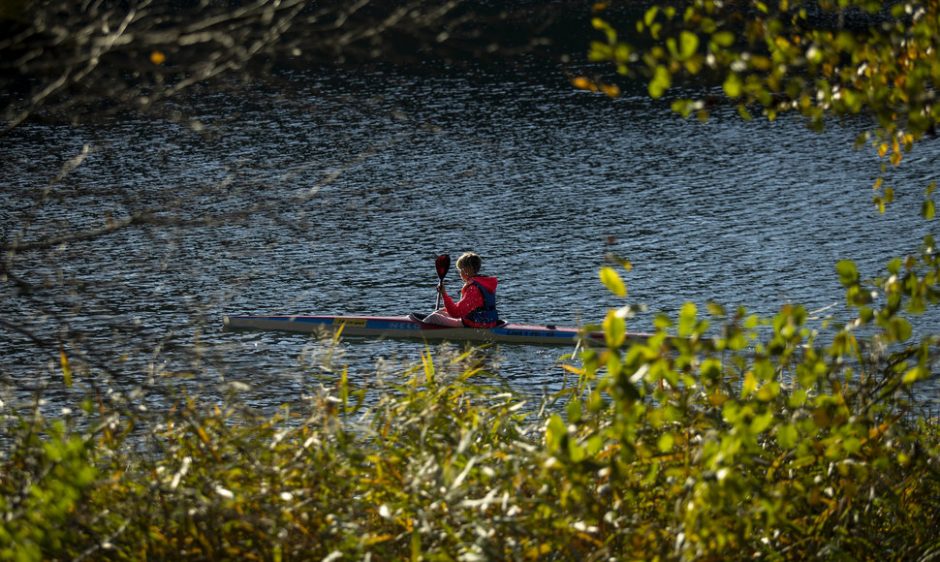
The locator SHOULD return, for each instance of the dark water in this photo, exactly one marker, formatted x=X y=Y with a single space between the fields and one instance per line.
x=332 y=193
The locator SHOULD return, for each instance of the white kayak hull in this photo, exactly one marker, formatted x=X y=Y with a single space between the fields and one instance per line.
x=397 y=327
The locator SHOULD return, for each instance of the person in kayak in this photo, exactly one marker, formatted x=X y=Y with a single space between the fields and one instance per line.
x=477 y=305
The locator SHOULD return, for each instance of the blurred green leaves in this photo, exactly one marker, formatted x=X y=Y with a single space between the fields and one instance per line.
x=773 y=435
x=788 y=57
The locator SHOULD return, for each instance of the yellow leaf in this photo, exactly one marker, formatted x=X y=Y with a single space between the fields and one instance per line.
x=536 y=552
x=203 y=436
x=611 y=279
x=914 y=375
x=572 y=369
x=896 y=158
x=750 y=383
x=666 y=442
x=376 y=539
x=876 y=432
x=66 y=369
x=427 y=361
x=769 y=391
x=717 y=398
x=155 y=533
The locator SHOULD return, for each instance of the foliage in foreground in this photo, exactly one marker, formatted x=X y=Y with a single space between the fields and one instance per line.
x=762 y=442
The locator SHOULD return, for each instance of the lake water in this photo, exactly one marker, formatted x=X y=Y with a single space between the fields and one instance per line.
x=331 y=192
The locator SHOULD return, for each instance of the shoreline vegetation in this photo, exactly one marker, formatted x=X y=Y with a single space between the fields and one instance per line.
x=783 y=438
x=743 y=438
x=695 y=448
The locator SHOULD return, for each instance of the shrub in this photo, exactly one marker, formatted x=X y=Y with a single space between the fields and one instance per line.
x=761 y=441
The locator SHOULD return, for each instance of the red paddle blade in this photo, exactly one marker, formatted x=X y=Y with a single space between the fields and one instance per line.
x=442 y=263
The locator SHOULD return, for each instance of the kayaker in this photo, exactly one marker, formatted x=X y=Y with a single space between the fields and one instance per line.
x=477 y=305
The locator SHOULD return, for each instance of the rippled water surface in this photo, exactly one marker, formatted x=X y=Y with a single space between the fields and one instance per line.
x=338 y=189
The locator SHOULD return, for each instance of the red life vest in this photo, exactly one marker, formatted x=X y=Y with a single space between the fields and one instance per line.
x=486 y=314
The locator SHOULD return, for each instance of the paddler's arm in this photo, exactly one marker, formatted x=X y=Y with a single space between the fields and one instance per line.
x=471 y=300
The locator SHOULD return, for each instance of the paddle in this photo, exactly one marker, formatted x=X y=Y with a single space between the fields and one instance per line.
x=442 y=264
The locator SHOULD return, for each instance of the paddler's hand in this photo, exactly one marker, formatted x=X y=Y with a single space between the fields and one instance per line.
x=440 y=288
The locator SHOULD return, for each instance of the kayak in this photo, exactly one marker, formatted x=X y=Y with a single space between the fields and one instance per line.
x=411 y=327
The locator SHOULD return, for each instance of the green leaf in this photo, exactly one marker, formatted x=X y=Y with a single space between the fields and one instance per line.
x=609 y=31
x=595 y=402
x=711 y=369
x=415 y=546
x=708 y=26
x=666 y=442
x=688 y=44
x=762 y=422
x=858 y=296
x=614 y=364
x=661 y=82
x=787 y=436
x=611 y=279
x=615 y=329
x=576 y=452
x=733 y=86
x=599 y=52
x=687 y=318
x=594 y=445
x=798 y=397
x=622 y=52
x=899 y=328
x=852 y=445
x=655 y=29
x=716 y=309
x=723 y=38
x=749 y=384
x=555 y=432
x=662 y=322
x=928 y=209
x=574 y=410
x=769 y=391
x=683 y=107
x=848 y=273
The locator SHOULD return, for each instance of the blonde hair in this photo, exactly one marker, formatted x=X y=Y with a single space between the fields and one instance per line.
x=469 y=262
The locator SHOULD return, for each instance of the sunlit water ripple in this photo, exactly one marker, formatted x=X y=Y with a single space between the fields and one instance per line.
x=371 y=174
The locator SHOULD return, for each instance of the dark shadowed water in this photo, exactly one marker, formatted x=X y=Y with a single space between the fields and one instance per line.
x=332 y=193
